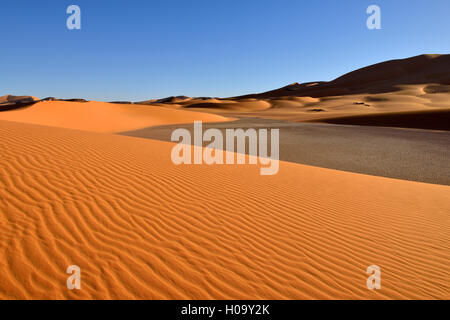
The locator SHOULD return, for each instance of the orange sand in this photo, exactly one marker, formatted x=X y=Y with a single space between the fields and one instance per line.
x=140 y=227
x=102 y=116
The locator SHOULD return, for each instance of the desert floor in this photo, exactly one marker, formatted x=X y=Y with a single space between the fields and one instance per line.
x=401 y=153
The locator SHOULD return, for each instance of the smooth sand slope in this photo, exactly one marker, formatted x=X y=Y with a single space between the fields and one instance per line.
x=102 y=116
x=140 y=227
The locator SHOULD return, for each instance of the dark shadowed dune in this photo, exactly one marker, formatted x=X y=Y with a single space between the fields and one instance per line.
x=122 y=102
x=378 y=78
x=432 y=119
x=10 y=102
x=206 y=105
x=14 y=106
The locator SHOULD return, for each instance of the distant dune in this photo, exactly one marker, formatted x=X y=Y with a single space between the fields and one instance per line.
x=420 y=83
x=9 y=102
x=140 y=227
x=379 y=78
x=16 y=99
x=102 y=116
x=416 y=84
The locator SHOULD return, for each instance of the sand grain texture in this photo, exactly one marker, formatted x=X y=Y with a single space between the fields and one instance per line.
x=140 y=227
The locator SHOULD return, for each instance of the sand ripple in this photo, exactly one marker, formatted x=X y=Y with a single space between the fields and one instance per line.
x=140 y=227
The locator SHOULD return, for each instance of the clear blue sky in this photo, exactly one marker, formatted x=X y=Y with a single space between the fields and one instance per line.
x=136 y=50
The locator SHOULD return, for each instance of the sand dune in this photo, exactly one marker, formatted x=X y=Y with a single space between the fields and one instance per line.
x=423 y=98
x=420 y=83
x=102 y=116
x=378 y=78
x=416 y=84
x=9 y=102
x=140 y=227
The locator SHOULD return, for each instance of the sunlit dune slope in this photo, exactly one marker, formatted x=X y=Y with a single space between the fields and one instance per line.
x=140 y=227
x=378 y=78
x=416 y=84
x=425 y=99
x=102 y=116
